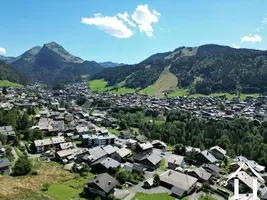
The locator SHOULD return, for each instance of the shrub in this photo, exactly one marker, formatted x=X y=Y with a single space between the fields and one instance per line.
x=22 y=166
x=34 y=172
x=45 y=187
x=119 y=186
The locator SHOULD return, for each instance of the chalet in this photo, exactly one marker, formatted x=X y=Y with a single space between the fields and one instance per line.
x=110 y=150
x=56 y=141
x=4 y=166
x=139 y=168
x=110 y=122
x=66 y=145
x=252 y=163
x=178 y=183
x=245 y=182
x=201 y=174
x=65 y=156
x=212 y=169
x=42 y=145
x=218 y=152
x=103 y=165
x=8 y=132
x=144 y=148
x=151 y=161
x=141 y=139
x=122 y=154
x=95 y=154
x=47 y=143
x=159 y=144
x=82 y=129
x=102 y=184
x=125 y=135
x=2 y=149
x=175 y=161
x=205 y=157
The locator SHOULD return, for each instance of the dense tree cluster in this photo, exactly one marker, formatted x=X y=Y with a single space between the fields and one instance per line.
x=21 y=122
x=238 y=137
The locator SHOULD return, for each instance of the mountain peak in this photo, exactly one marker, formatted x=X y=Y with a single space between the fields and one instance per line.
x=59 y=50
x=53 y=45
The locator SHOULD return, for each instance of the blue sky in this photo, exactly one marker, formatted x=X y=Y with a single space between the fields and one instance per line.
x=129 y=31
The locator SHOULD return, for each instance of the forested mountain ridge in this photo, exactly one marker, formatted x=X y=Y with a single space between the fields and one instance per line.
x=53 y=64
x=204 y=69
x=111 y=64
x=9 y=74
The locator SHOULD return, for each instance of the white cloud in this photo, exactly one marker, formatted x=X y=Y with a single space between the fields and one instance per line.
x=125 y=17
x=2 y=51
x=264 y=21
x=235 y=46
x=251 y=38
x=259 y=29
x=145 y=18
x=111 y=25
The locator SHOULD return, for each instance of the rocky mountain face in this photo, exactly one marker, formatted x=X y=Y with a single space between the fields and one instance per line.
x=52 y=64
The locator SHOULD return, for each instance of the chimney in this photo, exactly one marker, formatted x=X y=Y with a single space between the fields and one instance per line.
x=109 y=182
x=207 y=153
x=236 y=188
x=255 y=190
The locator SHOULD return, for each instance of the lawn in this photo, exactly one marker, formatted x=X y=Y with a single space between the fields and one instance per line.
x=162 y=165
x=18 y=187
x=98 y=85
x=5 y=83
x=114 y=131
x=158 y=120
x=170 y=148
x=63 y=192
x=68 y=189
x=178 y=93
x=160 y=196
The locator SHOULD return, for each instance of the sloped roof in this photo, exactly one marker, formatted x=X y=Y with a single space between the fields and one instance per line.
x=179 y=180
x=104 y=181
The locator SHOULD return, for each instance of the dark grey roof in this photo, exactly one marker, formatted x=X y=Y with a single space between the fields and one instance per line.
x=128 y=166
x=96 y=153
x=138 y=167
x=212 y=167
x=110 y=149
x=104 y=181
x=208 y=156
x=141 y=138
x=154 y=158
x=4 y=162
x=108 y=163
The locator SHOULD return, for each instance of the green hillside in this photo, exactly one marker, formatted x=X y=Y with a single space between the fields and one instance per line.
x=5 y=83
x=167 y=81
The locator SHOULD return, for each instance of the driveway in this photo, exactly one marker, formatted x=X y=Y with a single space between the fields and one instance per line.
x=15 y=154
x=120 y=194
